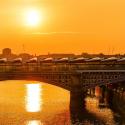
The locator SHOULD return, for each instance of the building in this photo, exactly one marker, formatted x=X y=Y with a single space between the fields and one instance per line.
x=6 y=52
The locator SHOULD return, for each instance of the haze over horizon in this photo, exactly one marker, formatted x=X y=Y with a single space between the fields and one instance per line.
x=60 y=26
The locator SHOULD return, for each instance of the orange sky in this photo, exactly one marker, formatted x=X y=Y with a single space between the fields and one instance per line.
x=75 y=26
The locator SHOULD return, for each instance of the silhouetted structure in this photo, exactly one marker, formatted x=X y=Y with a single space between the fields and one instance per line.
x=25 y=56
x=7 y=53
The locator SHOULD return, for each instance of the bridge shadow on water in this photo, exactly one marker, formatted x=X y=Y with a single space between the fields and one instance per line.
x=116 y=107
x=79 y=114
x=83 y=116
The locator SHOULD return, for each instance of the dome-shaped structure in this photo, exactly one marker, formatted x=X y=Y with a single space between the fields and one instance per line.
x=121 y=60
x=17 y=60
x=65 y=59
x=111 y=59
x=47 y=60
x=95 y=59
x=3 y=60
x=79 y=60
x=32 y=60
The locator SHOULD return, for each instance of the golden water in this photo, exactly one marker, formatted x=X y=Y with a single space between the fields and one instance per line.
x=35 y=103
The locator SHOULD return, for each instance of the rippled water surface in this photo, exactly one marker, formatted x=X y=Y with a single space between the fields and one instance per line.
x=34 y=103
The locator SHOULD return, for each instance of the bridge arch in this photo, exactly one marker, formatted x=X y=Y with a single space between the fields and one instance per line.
x=39 y=79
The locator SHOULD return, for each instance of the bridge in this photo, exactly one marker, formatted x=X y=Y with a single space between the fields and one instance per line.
x=71 y=75
x=76 y=76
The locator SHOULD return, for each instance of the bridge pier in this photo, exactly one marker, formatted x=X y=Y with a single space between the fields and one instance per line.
x=106 y=96
x=109 y=97
x=77 y=104
x=102 y=96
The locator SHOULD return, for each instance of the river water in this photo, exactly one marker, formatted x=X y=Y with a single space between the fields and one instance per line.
x=35 y=103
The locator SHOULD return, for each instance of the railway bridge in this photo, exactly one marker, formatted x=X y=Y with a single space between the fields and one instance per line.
x=75 y=76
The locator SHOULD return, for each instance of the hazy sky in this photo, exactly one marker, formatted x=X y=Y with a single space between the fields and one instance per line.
x=76 y=26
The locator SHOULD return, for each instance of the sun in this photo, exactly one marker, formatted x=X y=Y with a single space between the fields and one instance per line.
x=33 y=18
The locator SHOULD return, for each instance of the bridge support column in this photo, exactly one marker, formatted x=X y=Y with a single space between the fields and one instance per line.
x=106 y=96
x=109 y=97
x=77 y=104
x=102 y=96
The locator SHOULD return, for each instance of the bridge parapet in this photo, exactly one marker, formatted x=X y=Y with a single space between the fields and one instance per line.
x=34 y=67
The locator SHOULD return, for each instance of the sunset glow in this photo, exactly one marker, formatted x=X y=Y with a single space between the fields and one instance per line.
x=60 y=26
x=61 y=58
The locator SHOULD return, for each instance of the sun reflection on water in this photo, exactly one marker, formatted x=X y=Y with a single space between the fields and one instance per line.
x=34 y=122
x=33 y=98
